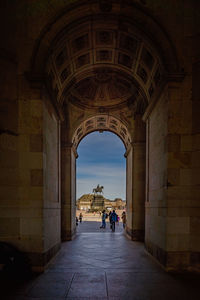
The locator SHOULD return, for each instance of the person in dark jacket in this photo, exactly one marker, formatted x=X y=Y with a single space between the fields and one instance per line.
x=113 y=219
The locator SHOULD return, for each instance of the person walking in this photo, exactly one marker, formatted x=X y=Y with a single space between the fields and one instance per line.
x=113 y=219
x=124 y=219
x=103 y=216
x=80 y=217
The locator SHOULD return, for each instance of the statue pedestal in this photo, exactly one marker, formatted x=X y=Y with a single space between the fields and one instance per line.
x=98 y=203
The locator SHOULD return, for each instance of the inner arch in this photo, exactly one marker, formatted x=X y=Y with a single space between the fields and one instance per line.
x=101 y=122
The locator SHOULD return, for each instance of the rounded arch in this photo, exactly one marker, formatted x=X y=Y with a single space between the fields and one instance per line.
x=101 y=123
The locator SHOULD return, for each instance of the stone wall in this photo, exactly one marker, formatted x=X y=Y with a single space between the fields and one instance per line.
x=9 y=147
x=52 y=201
x=156 y=210
x=129 y=191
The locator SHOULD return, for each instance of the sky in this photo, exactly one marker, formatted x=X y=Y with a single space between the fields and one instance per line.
x=101 y=161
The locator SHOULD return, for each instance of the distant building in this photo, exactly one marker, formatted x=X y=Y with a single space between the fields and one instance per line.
x=85 y=203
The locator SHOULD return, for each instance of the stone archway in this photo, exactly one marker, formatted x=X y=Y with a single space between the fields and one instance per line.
x=135 y=172
x=97 y=61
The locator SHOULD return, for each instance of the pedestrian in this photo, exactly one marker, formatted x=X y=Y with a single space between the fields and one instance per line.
x=113 y=218
x=104 y=216
x=76 y=221
x=124 y=219
x=118 y=218
x=80 y=217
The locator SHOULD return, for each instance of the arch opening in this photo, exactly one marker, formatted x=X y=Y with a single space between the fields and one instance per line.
x=102 y=122
x=101 y=163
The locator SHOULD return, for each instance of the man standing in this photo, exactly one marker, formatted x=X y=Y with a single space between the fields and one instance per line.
x=103 y=219
x=113 y=219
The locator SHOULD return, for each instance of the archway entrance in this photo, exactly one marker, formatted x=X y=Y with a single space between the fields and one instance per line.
x=135 y=172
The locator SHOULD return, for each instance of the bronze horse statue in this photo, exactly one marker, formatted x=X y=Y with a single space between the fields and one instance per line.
x=98 y=189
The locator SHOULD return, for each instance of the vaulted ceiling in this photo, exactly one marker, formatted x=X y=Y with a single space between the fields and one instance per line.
x=104 y=55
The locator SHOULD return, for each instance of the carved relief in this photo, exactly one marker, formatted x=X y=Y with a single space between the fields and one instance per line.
x=114 y=122
x=60 y=58
x=89 y=122
x=65 y=73
x=142 y=73
x=128 y=43
x=104 y=38
x=147 y=58
x=125 y=60
x=104 y=55
x=151 y=90
x=105 y=5
x=100 y=123
x=80 y=43
x=83 y=60
x=157 y=77
x=79 y=130
x=89 y=128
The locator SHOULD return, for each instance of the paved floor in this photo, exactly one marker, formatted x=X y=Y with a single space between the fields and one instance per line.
x=104 y=266
x=94 y=226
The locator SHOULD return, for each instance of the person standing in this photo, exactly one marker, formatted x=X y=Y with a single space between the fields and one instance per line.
x=103 y=216
x=124 y=219
x=113 y=219
x=80 y=217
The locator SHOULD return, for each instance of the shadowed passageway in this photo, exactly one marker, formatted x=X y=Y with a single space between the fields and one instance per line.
x=105 y=266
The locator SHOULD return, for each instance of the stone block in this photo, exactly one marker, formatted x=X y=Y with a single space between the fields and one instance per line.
x=173 y=176
x=9 y=196
x=31 y=212
x=30 y=160
x=10 y=212
x=178 y=242
x=8 y=142
x=9 y=159
x=24 y=177
x=173 y=142
x=195 y=81
x=9 y=176
x=178 y=260
x=195 y=117
x=36 y=108
x=195 y=159
x=180 y=121
x=179 y=160
x=186 y=143
x=190 y=176
x=9 y=226
x=178 y=225
x=196 y=142
x=36 y=177
x=36 y=143
x=195 y=225
x=31 y=226
x=195 y=242
x=23 y=144
x=178 y=211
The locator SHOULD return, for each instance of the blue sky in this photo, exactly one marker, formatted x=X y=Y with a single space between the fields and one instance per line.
x=101 y=161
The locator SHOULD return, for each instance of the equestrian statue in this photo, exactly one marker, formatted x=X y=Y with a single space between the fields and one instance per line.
x=98 y=189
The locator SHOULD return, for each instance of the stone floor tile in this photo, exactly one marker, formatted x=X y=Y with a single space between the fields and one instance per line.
x=87 y=284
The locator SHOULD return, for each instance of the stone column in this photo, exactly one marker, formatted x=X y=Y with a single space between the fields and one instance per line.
x=138 y=191
x=68 y=191
x=136 y=182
